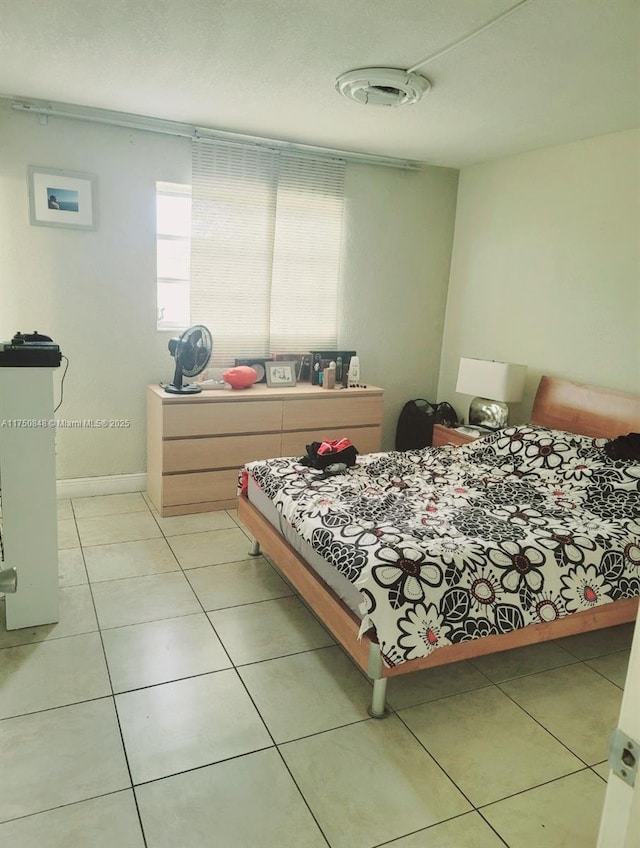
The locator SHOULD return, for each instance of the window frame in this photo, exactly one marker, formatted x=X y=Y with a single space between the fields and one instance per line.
x=167 y=189
x=274 y=183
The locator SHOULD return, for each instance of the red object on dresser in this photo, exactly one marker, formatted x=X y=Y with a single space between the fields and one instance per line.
x=240 y=377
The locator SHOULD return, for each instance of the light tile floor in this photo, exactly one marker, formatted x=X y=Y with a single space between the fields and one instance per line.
x=187 y=698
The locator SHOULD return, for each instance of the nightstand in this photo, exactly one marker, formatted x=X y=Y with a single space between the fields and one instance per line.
x=450 y=436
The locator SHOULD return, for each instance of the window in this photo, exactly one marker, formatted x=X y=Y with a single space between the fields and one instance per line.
x=265 y=237
x=173 y=254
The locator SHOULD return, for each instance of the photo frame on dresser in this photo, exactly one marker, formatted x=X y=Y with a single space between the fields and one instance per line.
x=280 y=374
x=302 y=361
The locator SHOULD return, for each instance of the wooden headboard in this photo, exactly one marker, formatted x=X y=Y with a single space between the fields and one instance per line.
x=587 y=410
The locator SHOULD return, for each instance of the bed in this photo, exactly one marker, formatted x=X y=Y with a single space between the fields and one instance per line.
x=422 y=558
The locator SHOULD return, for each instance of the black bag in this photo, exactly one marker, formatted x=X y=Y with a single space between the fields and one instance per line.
x=624 y=447
x=343 y=451
x=415 y=424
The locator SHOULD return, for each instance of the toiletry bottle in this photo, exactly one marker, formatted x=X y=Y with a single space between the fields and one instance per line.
x=329 y=379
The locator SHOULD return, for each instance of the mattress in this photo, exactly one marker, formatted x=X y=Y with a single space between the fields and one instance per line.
x=451 y=544
x=345 y=590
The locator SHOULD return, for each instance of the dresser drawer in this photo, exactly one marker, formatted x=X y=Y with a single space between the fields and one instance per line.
x=217 y=452
x=197 y=443
x=311 y=414
x=200 y=486
x=364 y=439
x=210 y=419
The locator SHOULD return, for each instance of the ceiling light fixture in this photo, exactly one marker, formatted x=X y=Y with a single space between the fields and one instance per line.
x=382 y=86
x=395 y=87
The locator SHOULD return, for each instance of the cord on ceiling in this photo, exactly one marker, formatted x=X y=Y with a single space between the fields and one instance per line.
x=468 y=37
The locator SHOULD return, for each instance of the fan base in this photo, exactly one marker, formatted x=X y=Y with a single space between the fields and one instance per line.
x=182 y=390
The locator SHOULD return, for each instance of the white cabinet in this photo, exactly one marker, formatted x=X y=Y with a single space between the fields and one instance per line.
x=28 y=485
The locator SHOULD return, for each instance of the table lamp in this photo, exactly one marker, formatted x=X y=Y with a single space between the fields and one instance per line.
x=495 y=384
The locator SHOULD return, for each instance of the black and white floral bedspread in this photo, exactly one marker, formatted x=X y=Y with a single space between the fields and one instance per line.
x=454 y=543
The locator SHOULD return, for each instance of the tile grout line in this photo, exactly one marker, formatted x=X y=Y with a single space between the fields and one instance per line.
x=531 y=788
x=286 y=766
x=586 y=766
x=110 y=696
x=488 y=823
x=604 y=676
x=115 y=706
x=479 y=808
x=66 y=805
x=539 y=723
x=262 y=719
x=436 y=761
x=276 y=745
x=390 y=842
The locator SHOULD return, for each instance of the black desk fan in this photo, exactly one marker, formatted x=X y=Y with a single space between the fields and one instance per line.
x=192 y=351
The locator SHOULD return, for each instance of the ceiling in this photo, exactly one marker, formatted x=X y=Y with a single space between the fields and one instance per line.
x=551 y=72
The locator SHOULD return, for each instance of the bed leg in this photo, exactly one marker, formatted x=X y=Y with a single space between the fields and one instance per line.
x=377 y=708
x=254 y=550
x=374 y=670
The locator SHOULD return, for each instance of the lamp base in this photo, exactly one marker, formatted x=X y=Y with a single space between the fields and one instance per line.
x=492 y=414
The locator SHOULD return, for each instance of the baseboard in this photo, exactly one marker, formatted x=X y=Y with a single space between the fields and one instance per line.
x=114 y=484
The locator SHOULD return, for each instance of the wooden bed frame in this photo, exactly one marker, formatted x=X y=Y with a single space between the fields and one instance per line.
x=560 y=405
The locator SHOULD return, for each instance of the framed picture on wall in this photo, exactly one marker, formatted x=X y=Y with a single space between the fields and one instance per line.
x=62 y=198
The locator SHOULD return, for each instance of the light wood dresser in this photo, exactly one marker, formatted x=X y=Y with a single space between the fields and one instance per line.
x=197 y=443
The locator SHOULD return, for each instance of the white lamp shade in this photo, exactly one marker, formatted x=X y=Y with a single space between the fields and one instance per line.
x=501 y=381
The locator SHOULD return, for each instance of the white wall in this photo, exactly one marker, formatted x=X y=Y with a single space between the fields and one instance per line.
x=545 y=268
x=398 y=236
x=94 y=292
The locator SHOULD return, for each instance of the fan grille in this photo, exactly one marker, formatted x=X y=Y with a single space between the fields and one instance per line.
x=194 y=350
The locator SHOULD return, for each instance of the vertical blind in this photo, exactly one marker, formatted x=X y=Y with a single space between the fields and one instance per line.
x=266 y=236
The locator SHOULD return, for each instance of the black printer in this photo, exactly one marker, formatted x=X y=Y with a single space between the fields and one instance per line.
x=30 y=350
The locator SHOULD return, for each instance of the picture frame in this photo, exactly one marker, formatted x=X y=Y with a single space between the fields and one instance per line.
x=302 y=362
x=60 y=198
x=280 y=373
